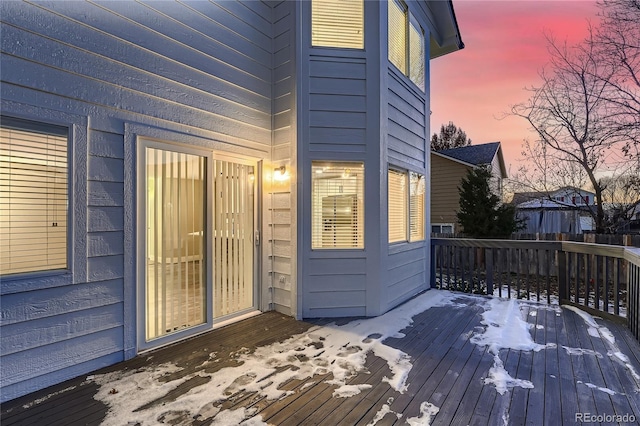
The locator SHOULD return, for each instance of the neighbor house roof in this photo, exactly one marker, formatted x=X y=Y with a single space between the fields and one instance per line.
x=476 y=155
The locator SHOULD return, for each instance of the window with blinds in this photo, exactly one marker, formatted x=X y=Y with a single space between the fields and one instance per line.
x=406 y=43
x=416 y=203
x=337 y=205
x=397 y=202
x=397 y=35
x=33 y=196
x=337 y=23
x=416 y=54
x=406 y=195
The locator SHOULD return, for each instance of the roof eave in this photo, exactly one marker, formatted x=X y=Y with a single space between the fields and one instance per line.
x=448 y=25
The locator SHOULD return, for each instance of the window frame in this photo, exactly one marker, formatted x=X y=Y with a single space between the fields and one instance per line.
x=407 y=174
x=36 y=129
x=405 y=208
x=360 y=185
x=441 y=225
x=78 y=208
x=361 y=41
x=409 y=21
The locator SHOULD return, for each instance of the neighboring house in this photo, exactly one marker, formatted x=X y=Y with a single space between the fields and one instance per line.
x=565 y=210
x=569 y=195
x=448 y=168
x=170 y=167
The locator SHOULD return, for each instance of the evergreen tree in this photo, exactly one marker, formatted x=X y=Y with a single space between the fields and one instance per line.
x=451 y=136
x=481 y=213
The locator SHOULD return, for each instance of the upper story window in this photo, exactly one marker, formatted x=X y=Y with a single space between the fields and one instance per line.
x=337 y=23
x=337 y=205
x=406 y=43
x=33 y=196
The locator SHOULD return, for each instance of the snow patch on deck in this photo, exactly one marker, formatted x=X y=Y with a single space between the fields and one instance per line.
x=336 y=351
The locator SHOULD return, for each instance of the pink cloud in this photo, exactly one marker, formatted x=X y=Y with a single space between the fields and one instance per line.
x=505 y=49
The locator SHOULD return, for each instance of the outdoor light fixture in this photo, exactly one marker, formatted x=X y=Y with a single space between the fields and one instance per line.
x=280 y=173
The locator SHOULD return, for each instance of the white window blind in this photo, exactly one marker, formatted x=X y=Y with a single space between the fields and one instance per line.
x=416 y=202
x=406 y=43
x=397 y=35
x=337 y=23
x=337 y=205
x=397 y=202
x=416 y=54
x=33 y=197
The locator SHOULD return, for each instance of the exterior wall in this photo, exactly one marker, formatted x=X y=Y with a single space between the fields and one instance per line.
x=360 y=109
x=89 y=67
x=446 y=176
x=496 y=179
x=280 y=225
x=407 y=147
x=338 y=119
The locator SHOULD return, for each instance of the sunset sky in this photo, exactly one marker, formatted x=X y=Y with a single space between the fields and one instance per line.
x=504 y=49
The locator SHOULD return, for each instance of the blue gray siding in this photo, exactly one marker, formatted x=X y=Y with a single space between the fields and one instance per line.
x=339 y=120
x=280 y=203
x=196 y=68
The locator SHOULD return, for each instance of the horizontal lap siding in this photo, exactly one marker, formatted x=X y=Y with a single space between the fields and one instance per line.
x=446 y=177
x=337 y=104
x=198 y=68
x=407 y=126
x=406 y=147
x=281 y=203
x=407 y=275
x=335 y=281
x=335 y=287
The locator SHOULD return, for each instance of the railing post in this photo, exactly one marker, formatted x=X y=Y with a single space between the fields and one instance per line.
x=562 y=276
x=433 y=267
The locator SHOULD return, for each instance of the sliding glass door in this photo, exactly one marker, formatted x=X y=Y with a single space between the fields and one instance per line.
x=197 y=261
x=176 y=261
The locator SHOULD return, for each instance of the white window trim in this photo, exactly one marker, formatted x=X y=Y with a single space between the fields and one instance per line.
x=452 y=225
x=360 y=229
x=77 y=201
x=357 y=42
x=409 y=19
x=408 y=222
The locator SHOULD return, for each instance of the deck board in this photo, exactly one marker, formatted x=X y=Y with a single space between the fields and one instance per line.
x=448 y=371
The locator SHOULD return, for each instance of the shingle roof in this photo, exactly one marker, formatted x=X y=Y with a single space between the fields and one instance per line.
x=473 y=154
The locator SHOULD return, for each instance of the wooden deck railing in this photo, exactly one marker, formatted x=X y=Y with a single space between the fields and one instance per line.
x=601 y=279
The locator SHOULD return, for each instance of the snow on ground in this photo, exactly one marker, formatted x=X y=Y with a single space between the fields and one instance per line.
x=601 y=389
x=386 y=409
x=335 y=351
x=505 y=328
x=338 y=350
x=597 y=330
x=427 y=412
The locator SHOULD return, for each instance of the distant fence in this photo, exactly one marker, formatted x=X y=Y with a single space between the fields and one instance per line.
x=609 y=239
x=599 y=278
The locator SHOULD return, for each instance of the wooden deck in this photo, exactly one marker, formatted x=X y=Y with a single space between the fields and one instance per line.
x=448 y=371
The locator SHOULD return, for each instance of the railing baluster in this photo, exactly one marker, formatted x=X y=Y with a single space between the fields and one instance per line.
x=509 y=256
x=587 y=294
x=449 y=260
x=605 y=302
x=578 y=273
x=616 y=286
x=598 y=261
x=548 y=274
x=489 y=263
